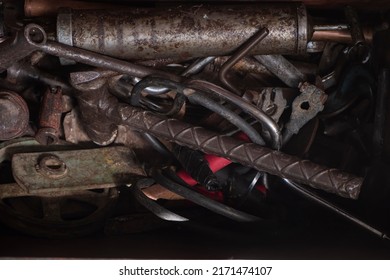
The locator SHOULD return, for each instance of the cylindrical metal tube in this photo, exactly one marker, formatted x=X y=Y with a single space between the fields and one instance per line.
x=50 y=117
x=282 y=68
x=185 y=31
x=341 y=36
x=249 y=154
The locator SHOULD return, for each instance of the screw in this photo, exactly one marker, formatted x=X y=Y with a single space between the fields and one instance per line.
x=52 y=167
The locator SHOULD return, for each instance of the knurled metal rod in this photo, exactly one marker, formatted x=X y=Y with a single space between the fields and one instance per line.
x=249 y=154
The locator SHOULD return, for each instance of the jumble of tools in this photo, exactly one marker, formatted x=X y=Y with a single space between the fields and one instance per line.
x=130 y=118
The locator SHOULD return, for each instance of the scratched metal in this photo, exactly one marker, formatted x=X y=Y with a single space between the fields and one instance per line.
x=86 y=169
x=50 y=117
x=186 y=32
x=92 y=94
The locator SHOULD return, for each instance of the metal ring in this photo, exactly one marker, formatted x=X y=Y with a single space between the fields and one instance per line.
x=40 y=33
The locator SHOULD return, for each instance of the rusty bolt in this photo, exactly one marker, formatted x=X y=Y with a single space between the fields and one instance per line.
x=51 y=166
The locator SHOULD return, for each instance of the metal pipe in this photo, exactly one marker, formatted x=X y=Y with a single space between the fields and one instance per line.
x=184 y=31
x=282 y=68
x=340 y=36
x=329 y=27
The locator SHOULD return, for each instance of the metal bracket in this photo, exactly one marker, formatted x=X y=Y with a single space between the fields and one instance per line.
x=40 y=173
x=305 y=107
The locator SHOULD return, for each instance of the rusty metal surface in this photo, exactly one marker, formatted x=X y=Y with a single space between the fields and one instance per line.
x=187 y=32
x=282 y=69
x=14 y=115
x=92 y=89
x=304 y=108
x=88 y=57
x=247 y=64
x=53 y=213
x=50 y=117
x=74 y=131
x=85 y=169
